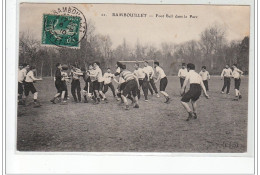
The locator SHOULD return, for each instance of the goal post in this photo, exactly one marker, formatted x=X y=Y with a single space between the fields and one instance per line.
x=130 y=64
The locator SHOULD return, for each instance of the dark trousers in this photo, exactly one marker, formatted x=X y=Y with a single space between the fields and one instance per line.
x=153 y=85
x=226 y=84
x=206 y=84
x=111 y=86
x=75 y=86
x=182 y=81
x=150 y=88
x=144 y=84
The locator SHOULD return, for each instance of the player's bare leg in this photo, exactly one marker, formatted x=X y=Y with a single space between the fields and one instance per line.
x=194 y=107
x=186 y=106
x=103 y=96
x=62 y=97
x=125 y=102
x=136 y=105
x=35 y=101
x=54 y=98
x=166 y=96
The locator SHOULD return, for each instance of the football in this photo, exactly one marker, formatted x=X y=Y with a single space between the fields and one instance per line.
x=65 y=67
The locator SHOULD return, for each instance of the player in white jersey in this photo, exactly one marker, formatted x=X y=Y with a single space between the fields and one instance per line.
x=163 y=81
x=236 y=74
x=108 y=77
x=205 y=77
x=194 y=92
x=143 y=78
x=75 y=83
x=182 y=73
x=226 y=74
x=100 y=82
x=150 y=70
x=29 y=87
x=23 y=68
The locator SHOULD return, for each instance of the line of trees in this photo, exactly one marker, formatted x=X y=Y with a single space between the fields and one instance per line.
x=212 y=50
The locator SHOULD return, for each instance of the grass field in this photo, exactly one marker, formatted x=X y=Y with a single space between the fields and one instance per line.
x=154 y=127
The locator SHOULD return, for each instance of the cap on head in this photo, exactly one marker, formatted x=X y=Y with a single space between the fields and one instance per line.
x=203 y=67
x=183 y=64
x=119 y=64
x=32 y=67
x=64 y=67
x=156 y=63
x=97 y=63
x=191 y=66
x=25 y=64
x=123 y=66
x=58 y=64
x=235 y=65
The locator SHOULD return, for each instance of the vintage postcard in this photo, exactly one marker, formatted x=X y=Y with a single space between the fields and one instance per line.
x=133 y=78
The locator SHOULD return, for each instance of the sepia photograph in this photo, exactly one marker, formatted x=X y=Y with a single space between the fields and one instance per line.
x=132 y=78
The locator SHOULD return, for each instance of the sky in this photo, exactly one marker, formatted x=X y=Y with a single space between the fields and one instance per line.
x=153 y=30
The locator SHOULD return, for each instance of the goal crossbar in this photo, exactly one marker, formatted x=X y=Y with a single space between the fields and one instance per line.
x=136 y=61
x=151 y=61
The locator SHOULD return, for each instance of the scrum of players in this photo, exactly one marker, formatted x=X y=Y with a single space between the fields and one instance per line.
x=129 y=84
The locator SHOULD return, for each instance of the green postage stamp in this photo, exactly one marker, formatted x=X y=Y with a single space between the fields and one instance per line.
x=61 y=31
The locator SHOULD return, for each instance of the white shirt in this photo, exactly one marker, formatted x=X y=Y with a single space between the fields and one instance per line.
x=139 y=73
x=227 y=72
x=108 y=77
x=21 y=75
x=237 y=73
x=149 y=70
x=160 y=71
x=204 y=75
x=75 y=76
x=99 y=74
x=120 y=80
x=30 y=77
x=193 y=77
x=182 y=73
x=92 y=74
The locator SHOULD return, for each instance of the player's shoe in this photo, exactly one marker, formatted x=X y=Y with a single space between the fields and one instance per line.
x=105 y=100
x=136 y=106
x=21 y=102
x=167 y=100
x=189 y=117
x=235 y=99
x=127 y=107
x=36 y=105
x=146 y=100
x=240 y=96
x=53 y=101
x=222 y=92
x=195 y=115
x=157 y=95
x=228 y=93
x=63 y=103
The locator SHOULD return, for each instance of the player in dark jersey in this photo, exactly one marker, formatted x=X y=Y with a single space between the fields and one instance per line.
x=60 y=85
x=131 y=86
